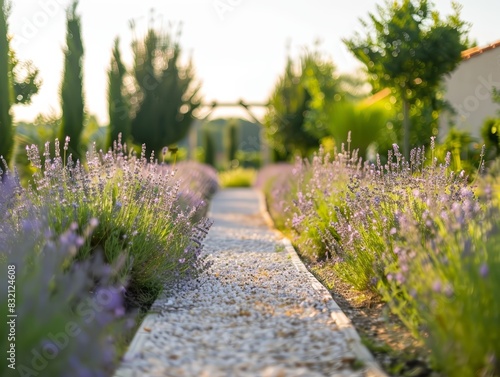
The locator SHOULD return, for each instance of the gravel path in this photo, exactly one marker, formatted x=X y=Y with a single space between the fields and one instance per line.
x=256 y=312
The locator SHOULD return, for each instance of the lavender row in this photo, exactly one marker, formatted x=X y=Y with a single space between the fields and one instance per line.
x=92 y=246
x=421 y=235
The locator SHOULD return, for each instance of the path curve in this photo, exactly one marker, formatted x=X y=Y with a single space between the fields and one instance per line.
x=256 y=312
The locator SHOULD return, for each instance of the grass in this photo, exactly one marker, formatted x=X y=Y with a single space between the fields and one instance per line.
x=239 y=177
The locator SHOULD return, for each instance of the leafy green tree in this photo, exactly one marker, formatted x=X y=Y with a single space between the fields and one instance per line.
x=18 y=83
x=118 y=106
x=408 y=48
x=166 y=93
x=72 y=101
x=295 y=121
x=25 y=79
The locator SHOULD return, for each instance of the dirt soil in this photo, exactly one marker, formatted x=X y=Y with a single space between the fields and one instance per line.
x=395 y=349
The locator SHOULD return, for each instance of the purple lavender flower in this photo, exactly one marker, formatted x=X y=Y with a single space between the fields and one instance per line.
x=484 y=270
x=437 y=286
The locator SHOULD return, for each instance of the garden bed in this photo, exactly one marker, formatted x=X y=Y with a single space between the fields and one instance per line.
x=92 y=246
x=412 y=238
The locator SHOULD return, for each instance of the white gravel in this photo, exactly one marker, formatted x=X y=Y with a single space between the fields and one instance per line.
x=254 y=313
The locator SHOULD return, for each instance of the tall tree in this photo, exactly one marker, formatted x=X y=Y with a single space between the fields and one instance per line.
x=295 y=120
x=232 y=128
x=118 y=106
x=166 y=93
x=209 y=147
x=408 y=48
x=72 y=101
x=6 y=92
x=18 y=83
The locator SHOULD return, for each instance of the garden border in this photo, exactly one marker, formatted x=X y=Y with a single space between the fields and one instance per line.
x=345 y=325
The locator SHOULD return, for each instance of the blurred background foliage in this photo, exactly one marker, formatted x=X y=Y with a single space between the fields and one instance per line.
x=156 y=100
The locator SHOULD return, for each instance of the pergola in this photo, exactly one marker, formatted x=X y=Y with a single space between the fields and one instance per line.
x=211 y=106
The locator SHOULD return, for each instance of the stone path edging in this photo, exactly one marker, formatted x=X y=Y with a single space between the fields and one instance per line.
x=344 y=323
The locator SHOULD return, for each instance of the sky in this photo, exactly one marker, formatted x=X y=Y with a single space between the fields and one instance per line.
x=238 y=47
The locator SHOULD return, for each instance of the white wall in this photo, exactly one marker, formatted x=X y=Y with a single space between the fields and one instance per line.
x=468 y=90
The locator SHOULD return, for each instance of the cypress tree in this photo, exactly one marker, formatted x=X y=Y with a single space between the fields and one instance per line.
x=232 y=136
x=6 y=94
x=166 y=96
x=118 y=106
x=209 y=146
x=72 y=101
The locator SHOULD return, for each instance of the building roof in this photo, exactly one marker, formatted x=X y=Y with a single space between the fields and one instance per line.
x=474 y=51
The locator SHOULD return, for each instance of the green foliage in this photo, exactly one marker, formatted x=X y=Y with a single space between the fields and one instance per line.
x=447 y=282
x=248 y=146
x=94 y=135
x=490 y=134
x=88 y=245
x=140 y=209
x=6 y=93
x=45 y=127
x=368 y=125
x=496 y=95
x=238 y=177
x=319 y=79
x=232 y=140
x=295 y=121
x=463 y=156
x=165 y=95
x=209 y=147
x=118 y=106
x=408 y=48
x=413 y=231
x=18 y=83
x=72 y=101
x=251 y=159
x=25 y=80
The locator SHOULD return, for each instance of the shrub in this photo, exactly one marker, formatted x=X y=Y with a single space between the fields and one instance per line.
x=367 y=123
x=238 y=177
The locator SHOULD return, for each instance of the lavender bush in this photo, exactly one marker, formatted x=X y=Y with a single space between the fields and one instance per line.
x=142 y=213
x=64 y=324
x=445 y=282
x=274 y=181
x=91 y=244
x=417 y=233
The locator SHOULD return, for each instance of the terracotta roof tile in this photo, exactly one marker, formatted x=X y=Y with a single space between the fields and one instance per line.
x=474 y=51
